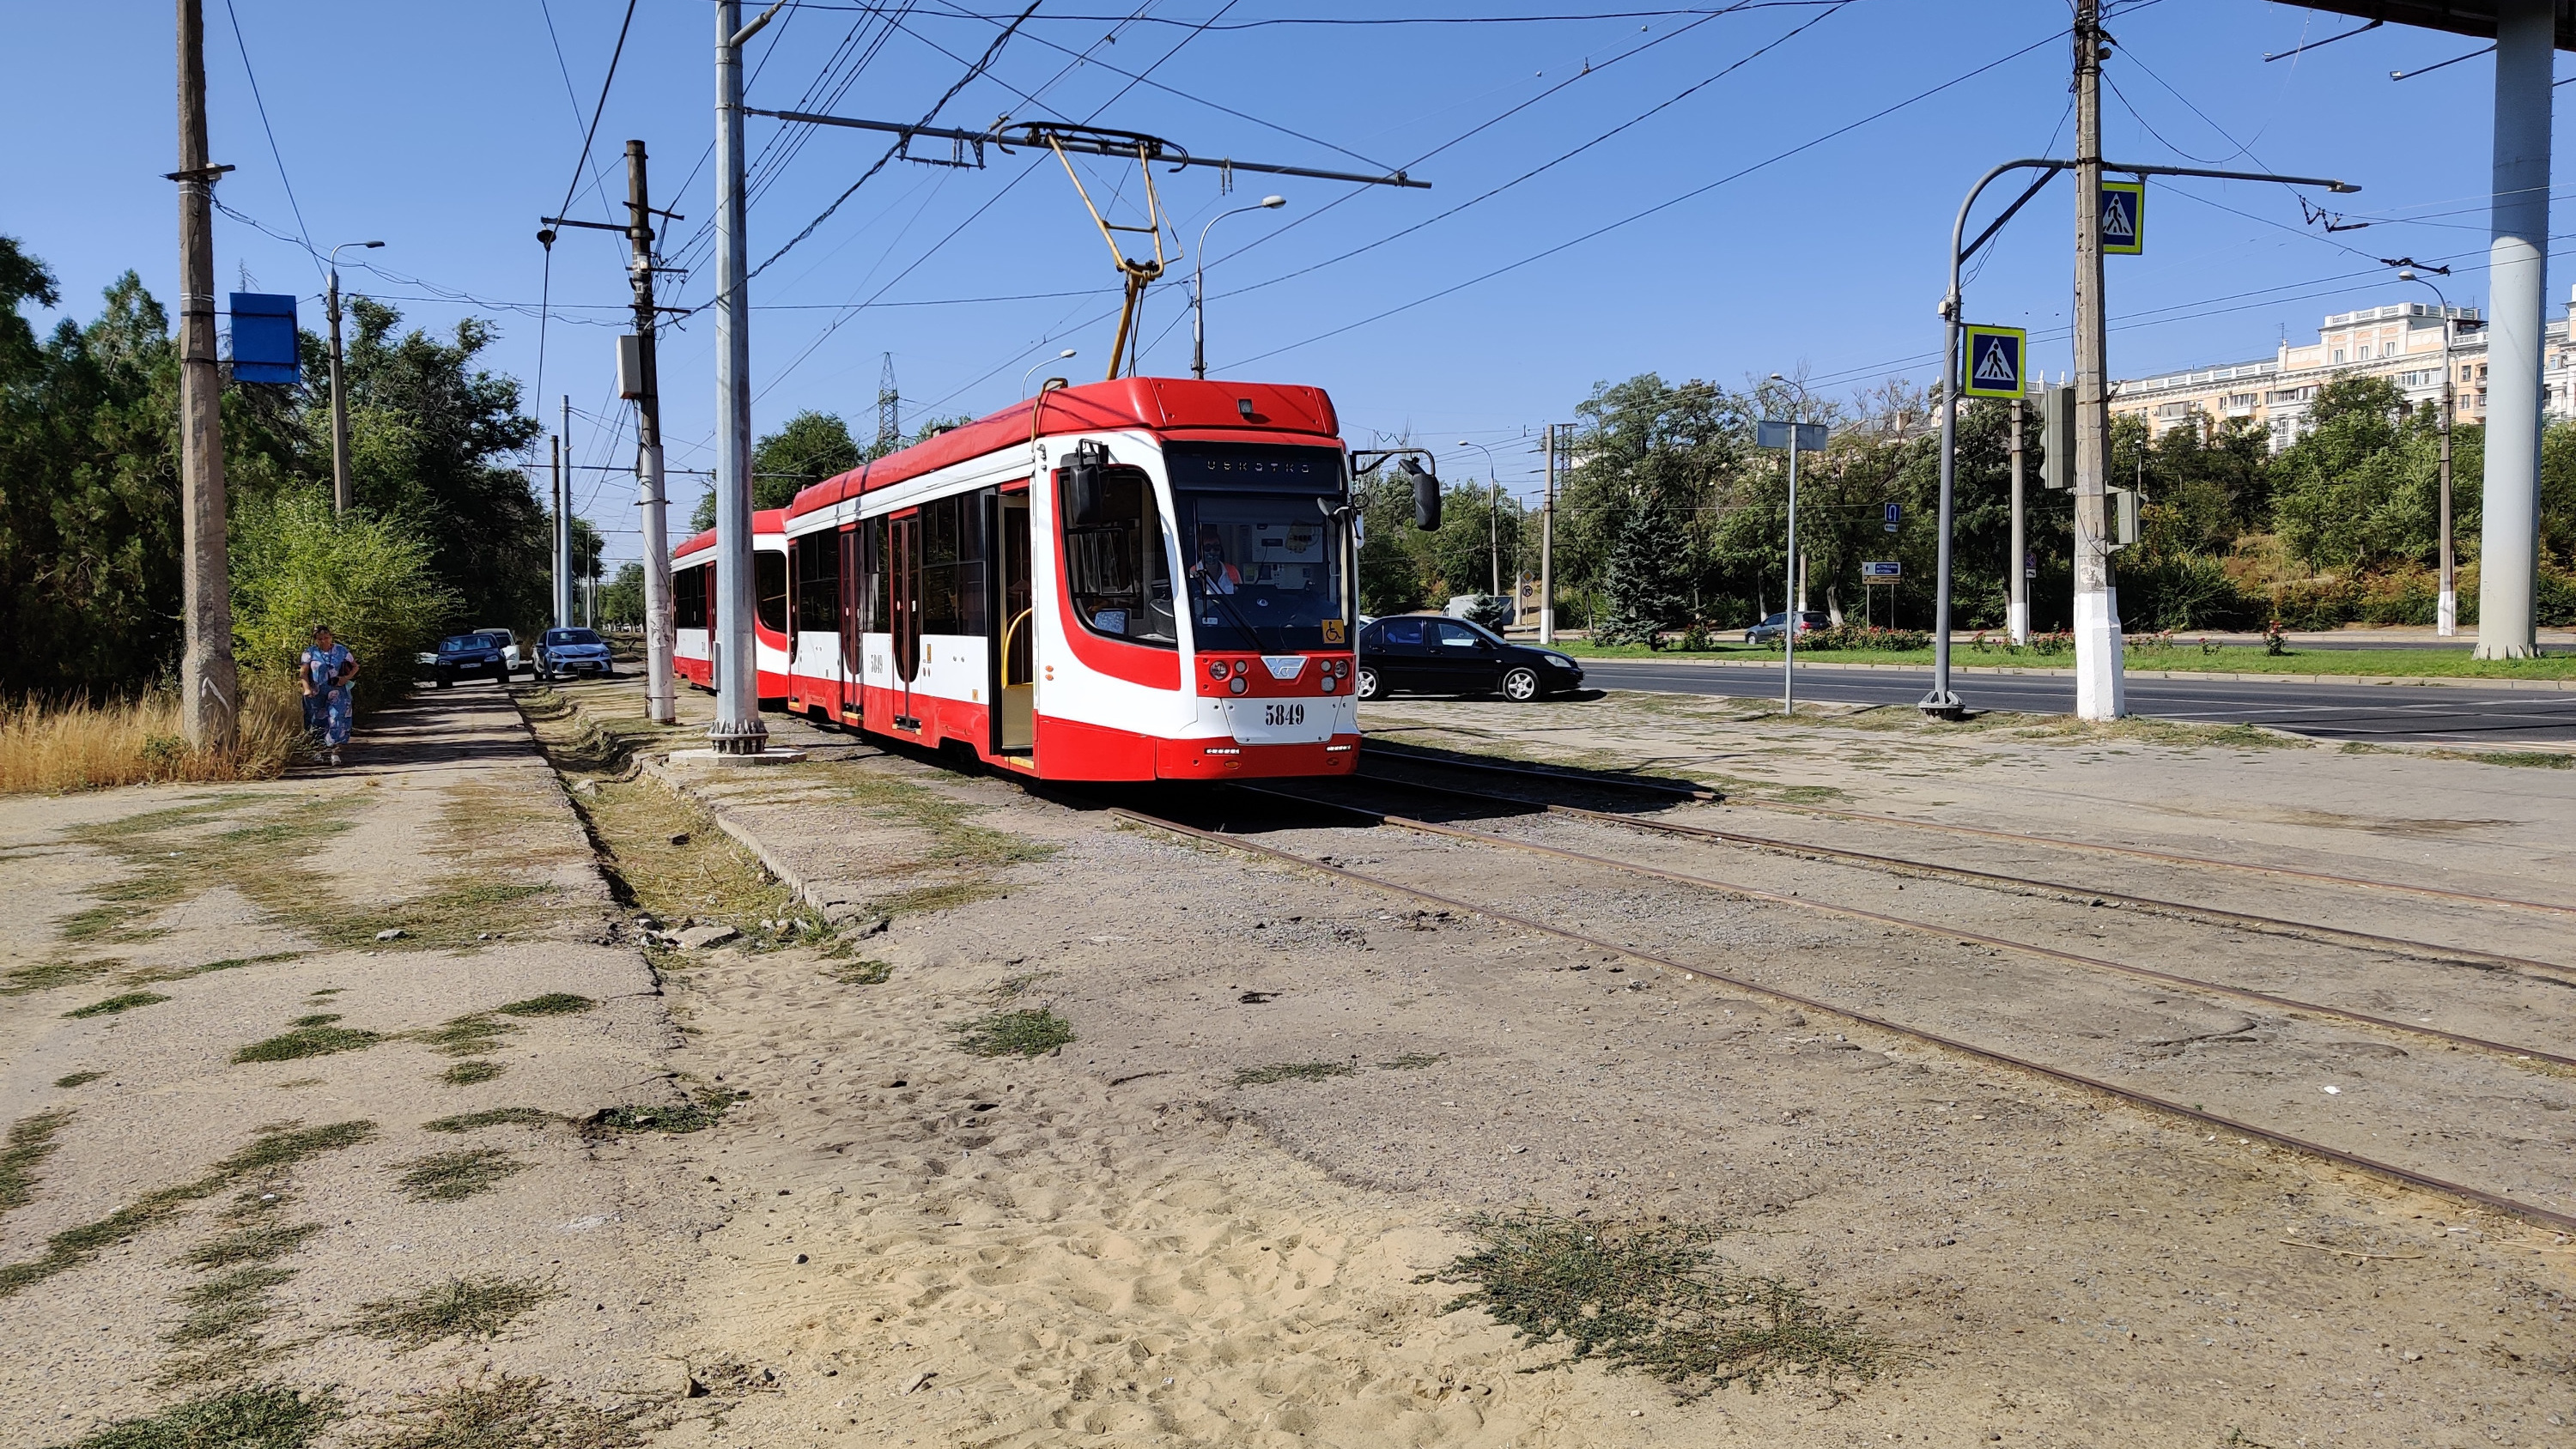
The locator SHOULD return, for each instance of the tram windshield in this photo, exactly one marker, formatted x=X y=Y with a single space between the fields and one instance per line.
x=1262 y=554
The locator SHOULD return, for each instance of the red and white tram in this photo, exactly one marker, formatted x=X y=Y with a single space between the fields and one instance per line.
x=1141 y=579
x=693 y=605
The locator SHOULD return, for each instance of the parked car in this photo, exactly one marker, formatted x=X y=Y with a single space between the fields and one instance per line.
x=510 y=654
x=573 y=651
x=1770 y=630
x=1431 y=654
x=462 y=656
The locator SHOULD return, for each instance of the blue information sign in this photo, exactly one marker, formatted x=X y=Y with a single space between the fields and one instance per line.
x=1895 y=515
x=264 y=341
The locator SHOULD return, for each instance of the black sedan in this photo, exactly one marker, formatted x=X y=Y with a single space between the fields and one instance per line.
x=1434 y=654
x=462 y=656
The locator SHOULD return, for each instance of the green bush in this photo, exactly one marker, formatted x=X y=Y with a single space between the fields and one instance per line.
x=1863 y=636
x=296 y=565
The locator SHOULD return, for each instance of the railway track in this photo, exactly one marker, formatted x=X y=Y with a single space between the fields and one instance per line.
x=1664 y=788
x=2391 y=1171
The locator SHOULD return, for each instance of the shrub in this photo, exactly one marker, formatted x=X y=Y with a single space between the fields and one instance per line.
x=295 y=564
x=50 y=746
x=1864 y=636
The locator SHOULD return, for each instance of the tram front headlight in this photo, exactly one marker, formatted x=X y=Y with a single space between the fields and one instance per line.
x=1216 y=669
x=1241 y=669
x=1238 y=684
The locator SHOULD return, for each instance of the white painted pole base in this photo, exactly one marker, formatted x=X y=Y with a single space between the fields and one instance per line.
x=2017 y=622
x=2446 y=614
x=2100 y=686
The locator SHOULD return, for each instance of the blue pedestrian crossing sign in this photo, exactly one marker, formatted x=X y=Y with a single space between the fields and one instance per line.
x=1994 y=361
x=2124 y=218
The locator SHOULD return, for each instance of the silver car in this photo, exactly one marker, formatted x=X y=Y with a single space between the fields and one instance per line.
x=573 y=651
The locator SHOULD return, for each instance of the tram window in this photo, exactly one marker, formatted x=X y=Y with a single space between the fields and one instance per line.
x=769 y=588
x=818 y=585
x=1116 y=570
x=876 y=608
x=689 y=597
x=953 y=549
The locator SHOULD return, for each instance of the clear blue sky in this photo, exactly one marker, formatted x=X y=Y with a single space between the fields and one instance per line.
x=447 y=131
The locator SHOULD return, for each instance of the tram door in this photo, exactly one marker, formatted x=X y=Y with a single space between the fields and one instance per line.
x=1015 y=723
x=903 y=600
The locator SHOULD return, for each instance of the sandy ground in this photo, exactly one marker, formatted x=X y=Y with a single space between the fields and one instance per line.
x=890 y=1240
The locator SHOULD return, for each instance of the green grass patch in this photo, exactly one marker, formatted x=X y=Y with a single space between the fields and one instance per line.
x=227 y=1307
x=313 y=1036
x=1029 y=1032
x=56 y=971
x=695 y=1115
x=495 y=1117
x=553 y=1003
x=1414 y=1062
x=946 y=896
x=259 y=1416
x=458 y=1308
x=456 y=1176
x=252 y=1242
x=275 y=1149
x=31 y=1141
x=1655 y=1298
x=181 y=973
x=448 y=920
x=861 y=973
x=1292 y=1072
x=505 y=1412
x=115 y=1004
x=2512 y=759
x=78 y=1079
x=465 y=1036
x=466 y=1074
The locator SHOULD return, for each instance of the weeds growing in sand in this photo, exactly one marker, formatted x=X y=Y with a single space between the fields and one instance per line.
x=692 y=1116
x=78 y=1079
x=114 y=1004
x=466 y=1074
x=1653 y=1296
x=495 y=1117
x=228 y=1306
x=56 y=746
x=2518 y=759
x=1292 y=1072
x=451 y=919
x=258 y=1416
x=553 y=1003
x=31 y=1141
x=457 y=1308
x=455 y=1176
x=465 y=1036
x=506 y=1412
x=862 y=973
x=311 y=1036
x=1030 y=1032
x=276 y=1148
x=252 y=1242
x=1413 y=1062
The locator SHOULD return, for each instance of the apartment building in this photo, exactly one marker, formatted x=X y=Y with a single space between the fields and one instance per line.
x=2401 y=342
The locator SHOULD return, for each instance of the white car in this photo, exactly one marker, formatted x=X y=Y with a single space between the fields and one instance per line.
x=510 y=650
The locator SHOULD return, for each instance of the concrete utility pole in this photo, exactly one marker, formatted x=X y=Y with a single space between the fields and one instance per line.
x=343 y=498
x=563 y=525
x=2100 y=691
x=738 y=729
x=2446 y=604
x=208 y=684
x=1547 y=548
x=661 y=700
x=2509 y=537
x=2017 y=612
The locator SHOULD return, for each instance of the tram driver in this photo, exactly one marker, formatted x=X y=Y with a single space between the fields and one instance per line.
x=1221 y=577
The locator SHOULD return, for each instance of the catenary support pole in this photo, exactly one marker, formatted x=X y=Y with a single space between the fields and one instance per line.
x=208 y=684
x=2509 y=536
x=738 y=729
x=562 y=541
x=1797 y=590
x=2100 y=691
x=2446 y=604
x=1547 y=548
x=661 y=694
x=2017 y=612
x=343 y=497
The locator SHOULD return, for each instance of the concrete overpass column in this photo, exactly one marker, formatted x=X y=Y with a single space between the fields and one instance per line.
x=2509 y=532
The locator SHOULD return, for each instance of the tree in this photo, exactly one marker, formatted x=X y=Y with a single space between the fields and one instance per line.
x=296 y=565
x=812 y=447
x=621 y=599
x=2360 y=491
x=1645 y=580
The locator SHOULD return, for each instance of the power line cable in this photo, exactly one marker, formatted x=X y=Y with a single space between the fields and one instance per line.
x=305 y=233
x=1390 y=20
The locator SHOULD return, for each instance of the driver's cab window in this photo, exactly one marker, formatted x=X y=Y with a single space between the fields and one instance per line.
x=1457 y=636
x=1117 y=570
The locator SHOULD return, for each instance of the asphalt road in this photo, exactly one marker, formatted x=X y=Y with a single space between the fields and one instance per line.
x=2482 y=718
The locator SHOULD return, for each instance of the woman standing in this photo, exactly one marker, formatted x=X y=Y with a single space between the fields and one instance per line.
x=325 y=669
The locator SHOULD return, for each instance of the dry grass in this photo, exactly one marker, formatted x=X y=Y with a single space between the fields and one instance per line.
x=51 y=746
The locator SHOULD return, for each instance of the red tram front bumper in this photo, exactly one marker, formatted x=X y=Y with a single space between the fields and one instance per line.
x=1219 y=759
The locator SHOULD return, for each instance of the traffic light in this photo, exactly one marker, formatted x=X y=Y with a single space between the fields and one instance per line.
x=2057 y=436
x=2124 y=516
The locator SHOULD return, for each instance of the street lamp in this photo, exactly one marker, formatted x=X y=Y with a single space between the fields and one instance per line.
x=1198 y=282
x=1493 y=515
x=2446 y=609
x=1793 y=435
x=342 y=497
x=1041 y=362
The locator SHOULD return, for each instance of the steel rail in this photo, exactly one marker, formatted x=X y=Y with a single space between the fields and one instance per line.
x=2269 y=925
x=2528 y=1212
x=2133 y=851
x=1933 y=928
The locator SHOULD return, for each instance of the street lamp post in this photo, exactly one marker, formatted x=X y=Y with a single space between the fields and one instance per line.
x=342 y=495
x=1041 y=362
x=2446 y=609
x=1795 y=436
x=1493 y=515
x=1198 y=282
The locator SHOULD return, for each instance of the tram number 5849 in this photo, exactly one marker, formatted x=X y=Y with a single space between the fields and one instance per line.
x=1283 y=714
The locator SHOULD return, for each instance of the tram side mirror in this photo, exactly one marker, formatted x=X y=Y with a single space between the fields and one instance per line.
x=1426 y=495
x=1083 y=505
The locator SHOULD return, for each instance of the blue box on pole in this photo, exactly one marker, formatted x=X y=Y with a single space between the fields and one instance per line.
x=264 y=339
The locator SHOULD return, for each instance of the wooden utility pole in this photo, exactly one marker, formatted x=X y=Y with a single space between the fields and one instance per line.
x=2098 y=684
x=209 y=688
x=660 y=694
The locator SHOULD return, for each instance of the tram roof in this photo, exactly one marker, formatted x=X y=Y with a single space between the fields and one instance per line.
x=1189 y=406
x=766 y=520
x=2459 y=17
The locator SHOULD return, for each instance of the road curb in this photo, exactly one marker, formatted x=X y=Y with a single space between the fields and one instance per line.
x=2442 y=681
